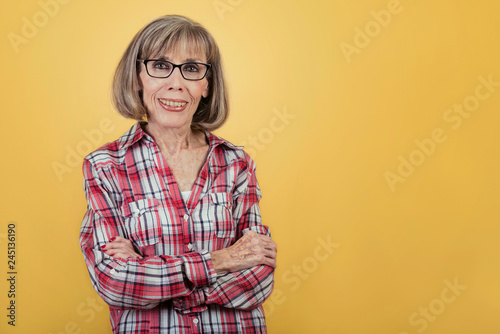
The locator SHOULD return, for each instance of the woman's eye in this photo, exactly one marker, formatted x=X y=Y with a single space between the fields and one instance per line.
x=161 y=65
x=191 y=68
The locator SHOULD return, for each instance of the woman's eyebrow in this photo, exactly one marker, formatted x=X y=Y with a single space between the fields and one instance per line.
x=193 y=59
x=187 y=60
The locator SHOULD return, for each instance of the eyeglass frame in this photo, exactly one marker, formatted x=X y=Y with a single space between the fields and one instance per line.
x=146 y=61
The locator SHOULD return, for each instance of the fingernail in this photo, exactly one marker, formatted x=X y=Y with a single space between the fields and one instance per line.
x=103 y=246
x=112 y=239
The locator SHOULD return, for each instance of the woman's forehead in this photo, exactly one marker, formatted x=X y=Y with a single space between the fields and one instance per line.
x=181 y=51
x=182 y=57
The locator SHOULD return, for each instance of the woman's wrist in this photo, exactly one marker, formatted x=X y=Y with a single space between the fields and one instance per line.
x=218 y=261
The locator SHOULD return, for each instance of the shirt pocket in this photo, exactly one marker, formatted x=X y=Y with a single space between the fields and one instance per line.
x=143 y=223
x=219 y=212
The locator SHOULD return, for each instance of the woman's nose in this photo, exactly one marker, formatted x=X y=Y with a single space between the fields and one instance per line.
x=175 y=80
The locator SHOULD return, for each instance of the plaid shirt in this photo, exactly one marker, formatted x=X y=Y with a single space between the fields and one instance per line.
x=131 y=192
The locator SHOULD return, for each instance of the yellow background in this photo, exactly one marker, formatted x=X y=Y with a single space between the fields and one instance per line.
x=352 y=118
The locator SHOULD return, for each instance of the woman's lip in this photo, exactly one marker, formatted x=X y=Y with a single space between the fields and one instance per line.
x=173 y=100
x=171 y=108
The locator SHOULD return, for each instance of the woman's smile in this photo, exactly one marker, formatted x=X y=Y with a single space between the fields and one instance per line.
x=173 y=104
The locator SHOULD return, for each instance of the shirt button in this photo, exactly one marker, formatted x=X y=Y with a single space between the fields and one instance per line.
x=195 y=321
x=137 y=212
x=190 y=246
x=112 y=271
x=186 y=216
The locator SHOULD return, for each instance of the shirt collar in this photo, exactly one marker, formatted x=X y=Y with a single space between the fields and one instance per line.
x=136 y=133
x=214 y=140
x=133 y=135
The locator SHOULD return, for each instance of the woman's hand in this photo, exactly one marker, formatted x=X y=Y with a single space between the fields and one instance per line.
x=251 y=250
x=120 y=248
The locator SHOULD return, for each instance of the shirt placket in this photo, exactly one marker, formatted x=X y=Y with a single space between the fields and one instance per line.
x=195 y=323
x=169 y=183
x=182 y=209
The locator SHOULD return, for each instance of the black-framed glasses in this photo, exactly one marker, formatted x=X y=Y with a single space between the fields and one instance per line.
x=160 y=68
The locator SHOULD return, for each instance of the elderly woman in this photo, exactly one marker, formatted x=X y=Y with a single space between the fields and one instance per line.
x=172 y=236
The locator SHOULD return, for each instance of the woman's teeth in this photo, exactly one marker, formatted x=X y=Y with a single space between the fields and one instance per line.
x=172 y=103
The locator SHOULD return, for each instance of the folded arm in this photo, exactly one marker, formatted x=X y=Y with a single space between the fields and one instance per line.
x=132 y=282
x=246 y=268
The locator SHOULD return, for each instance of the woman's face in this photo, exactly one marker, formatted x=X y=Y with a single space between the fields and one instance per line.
x=171 y=102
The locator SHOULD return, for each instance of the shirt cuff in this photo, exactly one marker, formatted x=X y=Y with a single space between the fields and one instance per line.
x=199 y=269
x=195 y=302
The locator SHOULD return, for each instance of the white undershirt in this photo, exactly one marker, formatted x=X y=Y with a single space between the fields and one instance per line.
x=185 y=195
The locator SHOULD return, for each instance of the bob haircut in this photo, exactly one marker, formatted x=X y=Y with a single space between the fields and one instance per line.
x=171 y=33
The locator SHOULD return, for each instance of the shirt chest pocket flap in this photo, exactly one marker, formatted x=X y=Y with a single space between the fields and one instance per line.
x=142 y=220
x=220 y=215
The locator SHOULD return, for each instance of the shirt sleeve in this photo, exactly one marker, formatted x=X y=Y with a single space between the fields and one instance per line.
x=245 y=289
x=132 y=283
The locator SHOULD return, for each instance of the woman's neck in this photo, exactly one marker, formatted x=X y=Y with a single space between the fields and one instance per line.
x=173 y=140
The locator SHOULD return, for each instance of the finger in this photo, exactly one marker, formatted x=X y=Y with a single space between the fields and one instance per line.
x=272 y=264
x=248 y=249
x=129 y=244
x=268 y=261
x=118 y=246
x=252 y=255
x=117 y=238
x=251 y=236
x=271 y=255
x=122 y=253
x=113 y=251
x=124 y=241
x=271 y=246
x=262 y=239
x=110 y=252
x=118 y=243
x=268 y=251
x=264 y=253
x=262 y=260
x=111 y=246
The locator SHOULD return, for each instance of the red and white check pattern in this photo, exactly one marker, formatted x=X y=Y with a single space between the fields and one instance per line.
x=132 y=193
